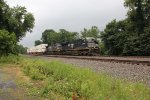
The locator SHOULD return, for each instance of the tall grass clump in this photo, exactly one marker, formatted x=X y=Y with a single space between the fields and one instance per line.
x=68 y=81
x=11 y=59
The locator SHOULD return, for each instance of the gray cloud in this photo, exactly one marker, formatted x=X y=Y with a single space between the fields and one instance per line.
x=73 y=15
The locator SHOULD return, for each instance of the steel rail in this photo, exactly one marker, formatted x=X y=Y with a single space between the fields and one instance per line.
x=137 y=62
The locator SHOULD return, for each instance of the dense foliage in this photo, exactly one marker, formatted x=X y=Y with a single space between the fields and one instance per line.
x=16 y=21
x=92 y=32
x=7 y=43
x=129 y=36
x=38 y=42
x=67 y=36
x=21 y=49
x=49 y=36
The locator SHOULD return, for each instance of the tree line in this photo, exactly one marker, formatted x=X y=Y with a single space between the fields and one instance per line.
x=50 y=36
x=14 y=23
x=130 y=36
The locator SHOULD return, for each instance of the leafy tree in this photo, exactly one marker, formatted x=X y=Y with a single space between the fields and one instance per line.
x=50 y=37
x=139 y=14
x=75 y=35
x=135 y=15
x=139 y=18
x=84 y=33
x=114 y=37
x=138 y=45
x=4 y=14
x=14 y=23
x=93 y=32
x=38 y=42
x=16 y=20
x=21 y=49
x=20 y=22
x=7 y=43
x=146 y=10
x=130 y=36
x=145 y=42
x=102 y=48
x=67 y=36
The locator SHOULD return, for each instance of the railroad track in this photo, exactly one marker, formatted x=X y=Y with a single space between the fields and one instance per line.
x=126 y=60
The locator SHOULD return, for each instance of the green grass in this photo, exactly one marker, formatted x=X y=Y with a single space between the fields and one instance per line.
x=62 y=81
x=11 y=59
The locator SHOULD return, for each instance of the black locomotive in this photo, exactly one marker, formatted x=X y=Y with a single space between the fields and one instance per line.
x=88 y=46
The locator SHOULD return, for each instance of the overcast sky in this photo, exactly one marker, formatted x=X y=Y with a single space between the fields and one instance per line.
x=72 y=15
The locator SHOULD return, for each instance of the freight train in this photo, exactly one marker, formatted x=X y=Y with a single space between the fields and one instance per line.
x=87 y=46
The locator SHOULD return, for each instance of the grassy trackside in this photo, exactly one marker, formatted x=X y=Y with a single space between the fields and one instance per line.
x=59 y=81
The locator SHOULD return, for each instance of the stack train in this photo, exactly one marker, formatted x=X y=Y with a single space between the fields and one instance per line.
x=87 y=46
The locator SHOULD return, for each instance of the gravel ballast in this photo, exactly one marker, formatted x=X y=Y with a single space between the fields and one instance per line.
x=135 y=73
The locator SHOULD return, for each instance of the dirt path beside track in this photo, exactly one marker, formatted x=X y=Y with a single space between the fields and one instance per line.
x=9 y=87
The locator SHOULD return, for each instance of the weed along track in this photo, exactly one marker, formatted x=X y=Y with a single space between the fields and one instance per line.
x=126 y=60
x=67 y=80
x=52 y=79
x=132 y=72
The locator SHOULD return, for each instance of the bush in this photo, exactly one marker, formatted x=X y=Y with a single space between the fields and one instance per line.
x=7 y=43
x=102 y=48
x=11 y=59
x=21 y=50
